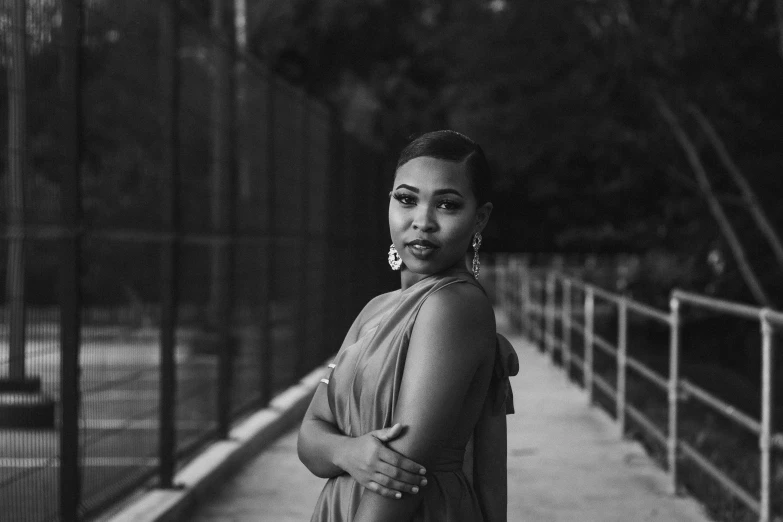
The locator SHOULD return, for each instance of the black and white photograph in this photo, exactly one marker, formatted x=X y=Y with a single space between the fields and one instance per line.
x=391 y=260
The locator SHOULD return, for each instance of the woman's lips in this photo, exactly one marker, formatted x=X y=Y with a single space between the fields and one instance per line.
x=421 y=249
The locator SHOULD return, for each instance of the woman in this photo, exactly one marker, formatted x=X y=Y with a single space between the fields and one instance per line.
x=421 y=372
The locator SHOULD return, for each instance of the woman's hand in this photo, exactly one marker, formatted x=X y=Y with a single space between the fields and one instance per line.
x=380 y=469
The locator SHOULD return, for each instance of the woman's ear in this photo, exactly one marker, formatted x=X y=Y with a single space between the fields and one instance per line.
x=482 y=216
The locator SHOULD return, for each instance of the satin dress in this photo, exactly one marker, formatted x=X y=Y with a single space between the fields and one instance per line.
x=362 y=390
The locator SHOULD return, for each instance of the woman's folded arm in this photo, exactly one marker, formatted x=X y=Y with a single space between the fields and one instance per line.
x=453 y=339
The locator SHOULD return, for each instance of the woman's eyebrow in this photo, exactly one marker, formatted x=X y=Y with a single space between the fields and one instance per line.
x=438 y=192
x=447 y=191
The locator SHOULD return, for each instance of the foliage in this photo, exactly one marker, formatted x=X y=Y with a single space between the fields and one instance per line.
x=560 y=93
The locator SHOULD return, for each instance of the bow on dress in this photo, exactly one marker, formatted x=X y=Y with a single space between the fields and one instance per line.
x=506 y=365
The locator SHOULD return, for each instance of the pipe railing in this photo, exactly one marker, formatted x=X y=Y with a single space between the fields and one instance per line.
x=541 y=299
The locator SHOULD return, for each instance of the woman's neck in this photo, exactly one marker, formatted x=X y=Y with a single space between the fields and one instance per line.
x=408 y=278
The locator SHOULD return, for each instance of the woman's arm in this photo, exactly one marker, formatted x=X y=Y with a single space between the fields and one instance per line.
x=327 y=452
x=452 y=339
x=320 y=443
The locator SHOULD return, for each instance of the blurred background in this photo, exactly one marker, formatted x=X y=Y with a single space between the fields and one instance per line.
x=194 y=195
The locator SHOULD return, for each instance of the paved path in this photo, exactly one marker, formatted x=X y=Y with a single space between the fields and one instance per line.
x=566 y=464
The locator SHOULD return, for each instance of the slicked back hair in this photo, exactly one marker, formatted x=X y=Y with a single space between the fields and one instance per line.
x=449 y=145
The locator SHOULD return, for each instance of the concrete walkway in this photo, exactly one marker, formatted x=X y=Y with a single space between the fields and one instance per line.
x=566 y=464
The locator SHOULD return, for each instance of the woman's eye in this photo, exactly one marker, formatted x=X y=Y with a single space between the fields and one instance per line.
x=449 y=205
x=405 y=199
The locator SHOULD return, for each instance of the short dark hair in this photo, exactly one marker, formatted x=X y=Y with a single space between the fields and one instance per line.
x=450 y=145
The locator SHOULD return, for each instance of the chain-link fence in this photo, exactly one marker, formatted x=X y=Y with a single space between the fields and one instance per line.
x=182 y=236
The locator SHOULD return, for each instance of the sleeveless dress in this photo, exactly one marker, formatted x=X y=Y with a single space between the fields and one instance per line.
x=362 y=390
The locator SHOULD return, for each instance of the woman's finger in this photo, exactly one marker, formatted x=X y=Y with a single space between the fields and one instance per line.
x=390 y=456
x=383 y=490
x=388 y=434
x=398 y=479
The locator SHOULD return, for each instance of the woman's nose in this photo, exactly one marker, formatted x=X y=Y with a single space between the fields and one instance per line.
x=424 y=219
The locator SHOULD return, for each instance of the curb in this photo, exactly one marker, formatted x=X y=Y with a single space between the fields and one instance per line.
x=222 y=458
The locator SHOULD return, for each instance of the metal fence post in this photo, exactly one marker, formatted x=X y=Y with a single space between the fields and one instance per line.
x=551 y=296
x=567 y=327
x=302 y=317
x=674 y=370
x=589 y=340
x=224 y=204
x=267 y=351
x=499 y=281
x=765 y=435
x=622 y=361
x=524 y=282
x=70 y=288
x=17 y=164
x=516 y=290
x=169 y=74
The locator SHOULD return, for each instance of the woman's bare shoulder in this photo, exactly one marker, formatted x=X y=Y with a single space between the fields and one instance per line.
x=460 y=311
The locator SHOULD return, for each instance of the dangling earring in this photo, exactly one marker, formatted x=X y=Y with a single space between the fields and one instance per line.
x=476 y=262
x=395 y=261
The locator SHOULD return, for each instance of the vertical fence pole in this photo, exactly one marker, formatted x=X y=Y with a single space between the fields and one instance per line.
x=589 y=341
x=70 y=291
x=765 y=436
x=333 y=230
x=674 y=382
x=622 y=362
x=267 y=339
x=567 y=327
x=551 y=296
x=17 y=152
x=224 y=203
x=301 y=329
x=169 y=75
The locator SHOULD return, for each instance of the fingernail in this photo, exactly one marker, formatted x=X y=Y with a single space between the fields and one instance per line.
x=398 y=495
x=415 y=489
x=424 y=482
x=422 y=471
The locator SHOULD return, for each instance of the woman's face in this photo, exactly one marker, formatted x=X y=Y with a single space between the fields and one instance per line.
x=433 y=214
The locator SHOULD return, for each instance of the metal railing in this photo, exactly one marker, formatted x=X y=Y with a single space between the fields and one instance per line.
x=552 y=308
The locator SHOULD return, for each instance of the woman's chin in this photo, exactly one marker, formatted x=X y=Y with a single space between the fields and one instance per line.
x=428 y=267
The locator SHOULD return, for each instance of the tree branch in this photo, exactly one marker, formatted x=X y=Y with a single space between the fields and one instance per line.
x=715 y=207
x=751 y=201
x=688 y=183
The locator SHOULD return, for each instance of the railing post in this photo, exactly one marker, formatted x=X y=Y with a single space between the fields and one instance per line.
x=516 y=312
x=550 y=314
x=541 y=313
x=500 y=281
x=567 y=327
x=622 y=361
x=765 y=436
x=589 y=325
x=674 y=370
x=525 y=289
